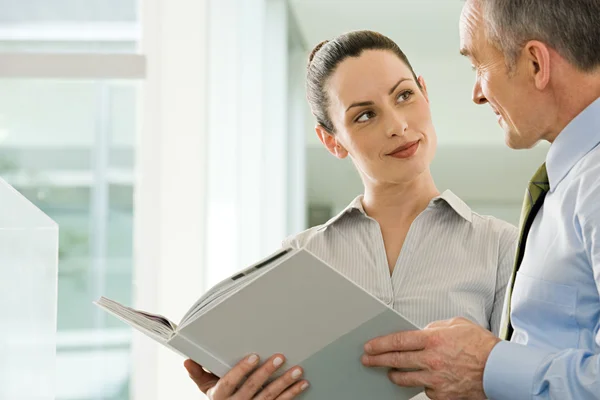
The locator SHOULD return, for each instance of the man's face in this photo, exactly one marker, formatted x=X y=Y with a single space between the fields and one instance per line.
x=510 y=93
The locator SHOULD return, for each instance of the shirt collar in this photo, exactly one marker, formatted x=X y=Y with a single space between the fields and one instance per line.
x=356 y=204
x=578 y=138
x=459 y=206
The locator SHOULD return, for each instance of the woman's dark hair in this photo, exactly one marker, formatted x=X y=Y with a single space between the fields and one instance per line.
x=327 y=55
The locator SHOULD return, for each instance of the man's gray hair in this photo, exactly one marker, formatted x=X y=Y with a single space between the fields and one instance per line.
x=571 y=27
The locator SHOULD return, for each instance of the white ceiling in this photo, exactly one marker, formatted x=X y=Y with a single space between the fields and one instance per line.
x=427 y=31
x=418 y=26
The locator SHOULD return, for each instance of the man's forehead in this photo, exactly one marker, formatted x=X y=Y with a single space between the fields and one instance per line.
x=469 y=27
x=465 y=42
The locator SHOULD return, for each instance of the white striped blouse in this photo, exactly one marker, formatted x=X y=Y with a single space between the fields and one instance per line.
x=454 y=262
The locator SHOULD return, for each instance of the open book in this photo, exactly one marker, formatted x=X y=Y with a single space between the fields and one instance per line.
x=291 y=303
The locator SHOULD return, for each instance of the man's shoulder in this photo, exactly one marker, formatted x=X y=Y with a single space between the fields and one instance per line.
x=585 y=182
x=588 y=168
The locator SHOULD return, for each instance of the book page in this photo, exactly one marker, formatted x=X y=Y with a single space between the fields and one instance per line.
x=156 y=324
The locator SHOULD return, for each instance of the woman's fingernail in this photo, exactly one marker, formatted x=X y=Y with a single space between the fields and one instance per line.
x=252 y=359
x=277 y=361
x=304 y=386
x=296 y=374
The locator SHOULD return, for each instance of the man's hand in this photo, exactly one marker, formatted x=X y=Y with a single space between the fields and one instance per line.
x=247 y=380
x=447 y=358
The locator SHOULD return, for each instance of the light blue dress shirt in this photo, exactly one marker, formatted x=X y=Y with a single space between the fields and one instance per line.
x=555 y=348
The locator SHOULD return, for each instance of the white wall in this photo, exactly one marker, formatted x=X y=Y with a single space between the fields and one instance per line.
x=491 y=179
x=296 y=133
x=170 y=196
x=247 y=193
x=472 y=158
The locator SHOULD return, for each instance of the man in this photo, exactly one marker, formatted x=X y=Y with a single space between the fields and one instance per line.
x=538 y=67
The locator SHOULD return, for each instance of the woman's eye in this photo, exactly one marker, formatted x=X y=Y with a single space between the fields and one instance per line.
x=404 y=96
x=364 y=117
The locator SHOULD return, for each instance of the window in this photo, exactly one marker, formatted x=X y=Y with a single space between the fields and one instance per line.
x=91 y=26
x=68 y=145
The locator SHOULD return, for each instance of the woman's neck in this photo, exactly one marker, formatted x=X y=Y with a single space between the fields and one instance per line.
x=399 y=202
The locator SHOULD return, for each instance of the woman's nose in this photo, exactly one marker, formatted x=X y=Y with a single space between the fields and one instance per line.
x=397 y=124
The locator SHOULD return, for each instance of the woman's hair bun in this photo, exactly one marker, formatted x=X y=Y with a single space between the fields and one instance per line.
x=315 y=50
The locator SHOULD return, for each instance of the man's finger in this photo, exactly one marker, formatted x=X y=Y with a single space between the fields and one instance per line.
x=203 y=379
x=439 y=324
x=447 y=323
x=410 y=379
x=430 y=393
x=410 y=360
x=399 y=341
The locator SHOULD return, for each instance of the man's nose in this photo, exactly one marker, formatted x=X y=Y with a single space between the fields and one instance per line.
x=478 y=97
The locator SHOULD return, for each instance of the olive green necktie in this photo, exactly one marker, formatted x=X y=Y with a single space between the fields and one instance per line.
x=534 y=198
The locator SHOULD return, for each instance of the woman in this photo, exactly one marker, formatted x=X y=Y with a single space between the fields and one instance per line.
x=422 y=252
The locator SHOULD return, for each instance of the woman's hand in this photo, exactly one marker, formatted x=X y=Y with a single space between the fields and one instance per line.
x=245 y=381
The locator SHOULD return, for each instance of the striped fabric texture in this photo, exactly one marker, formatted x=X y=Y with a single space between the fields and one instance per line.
x=454 y=262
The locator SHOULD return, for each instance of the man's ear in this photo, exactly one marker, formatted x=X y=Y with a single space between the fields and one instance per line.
x=538 y=59
x=330 y=142
x=423 y=87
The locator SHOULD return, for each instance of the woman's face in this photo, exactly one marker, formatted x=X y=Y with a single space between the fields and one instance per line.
x=381 y=117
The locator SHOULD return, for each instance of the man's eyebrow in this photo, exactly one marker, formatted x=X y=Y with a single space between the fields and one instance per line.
x=465 y=52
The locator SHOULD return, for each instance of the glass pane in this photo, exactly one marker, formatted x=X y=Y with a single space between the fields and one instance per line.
x=97 y=26
x=68 y=146
x=28 y=266
x=67 y=10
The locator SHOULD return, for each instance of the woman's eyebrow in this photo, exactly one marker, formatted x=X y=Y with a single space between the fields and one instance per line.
x=361 y=104
x=370 y=103
x=397 y=83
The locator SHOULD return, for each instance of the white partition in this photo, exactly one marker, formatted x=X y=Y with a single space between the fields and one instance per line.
x=28 y=290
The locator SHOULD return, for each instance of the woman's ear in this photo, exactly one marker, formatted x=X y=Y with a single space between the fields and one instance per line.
x=423 y=87
x=330 y=142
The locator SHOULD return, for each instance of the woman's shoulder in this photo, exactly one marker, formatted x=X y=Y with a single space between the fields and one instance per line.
x=507 y=233
x=484 y=226
x=301 y=239
x=319 y=231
